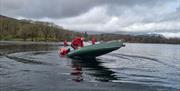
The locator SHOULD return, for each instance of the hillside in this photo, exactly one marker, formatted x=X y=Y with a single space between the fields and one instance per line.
x=28 y=30
x=13 y=29
x=145 y=38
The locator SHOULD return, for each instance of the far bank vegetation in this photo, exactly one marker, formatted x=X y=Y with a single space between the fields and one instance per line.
x=28 y=30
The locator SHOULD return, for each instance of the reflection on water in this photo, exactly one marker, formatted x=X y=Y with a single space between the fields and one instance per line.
x=77 y=71
x=95 y=69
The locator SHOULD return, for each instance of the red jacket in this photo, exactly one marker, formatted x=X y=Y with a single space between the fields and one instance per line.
x=93 y=41
x=65 y=43
x=64 y=51
x=77 y=42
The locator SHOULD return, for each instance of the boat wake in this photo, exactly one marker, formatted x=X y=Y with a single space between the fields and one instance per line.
x=26 y=61
x=15 y=57
x=132 y=57
x=141 y=69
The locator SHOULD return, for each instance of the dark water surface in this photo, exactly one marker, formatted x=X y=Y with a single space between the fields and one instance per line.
x=136 y=67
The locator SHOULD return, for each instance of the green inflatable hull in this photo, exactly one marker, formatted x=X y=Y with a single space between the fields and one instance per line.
x=93 y=51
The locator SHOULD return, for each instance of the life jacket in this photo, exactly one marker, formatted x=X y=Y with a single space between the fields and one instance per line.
x=65 y=43
x=63 y=51
x=93 y=41
x=77 y=42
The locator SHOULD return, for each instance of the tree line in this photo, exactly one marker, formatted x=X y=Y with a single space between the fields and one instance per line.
x=154 y=38
x=28 y=30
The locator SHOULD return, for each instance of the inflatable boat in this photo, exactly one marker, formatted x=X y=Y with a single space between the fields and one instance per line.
x=92 y=51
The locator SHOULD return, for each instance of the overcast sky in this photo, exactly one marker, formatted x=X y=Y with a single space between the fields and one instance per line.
x=144 y=16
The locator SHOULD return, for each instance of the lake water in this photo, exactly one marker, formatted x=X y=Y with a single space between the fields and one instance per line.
x=136 y=67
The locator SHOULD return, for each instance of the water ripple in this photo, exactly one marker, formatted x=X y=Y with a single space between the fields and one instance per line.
x=27 y=61
x=125 y=56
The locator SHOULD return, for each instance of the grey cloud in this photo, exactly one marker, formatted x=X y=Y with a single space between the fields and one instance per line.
x=100 y=15
x=62 y=8
x=11 y=4
x=122 y=18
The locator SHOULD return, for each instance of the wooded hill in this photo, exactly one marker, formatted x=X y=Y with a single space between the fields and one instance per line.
x=28 y=30
x=145 y=38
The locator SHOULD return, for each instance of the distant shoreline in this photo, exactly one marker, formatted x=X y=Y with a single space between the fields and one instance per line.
x=32 y=42
x=37 y=31
x=60 y=43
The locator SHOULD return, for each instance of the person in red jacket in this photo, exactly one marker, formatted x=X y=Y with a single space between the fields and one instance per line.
x=64 y=50
x=93 y=40
x=65 y=43
x=77 y=42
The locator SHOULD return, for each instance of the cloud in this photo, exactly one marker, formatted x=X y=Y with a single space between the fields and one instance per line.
x=62 y=8
x=170 y=35
x=135 y=19
x=100 y=15
x=7 y=5
x=151 y=27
